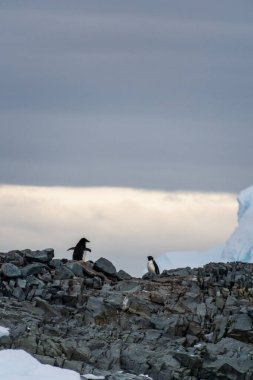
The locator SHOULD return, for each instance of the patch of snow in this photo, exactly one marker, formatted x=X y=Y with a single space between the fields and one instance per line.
x=125 y=303
x=132 y=375
x=90 y=376
x=198 y=345
x=4 y=331
x=18 y=364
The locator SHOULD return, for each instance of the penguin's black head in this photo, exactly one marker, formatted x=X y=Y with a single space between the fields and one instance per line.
x=150 y=257
x=83 y=241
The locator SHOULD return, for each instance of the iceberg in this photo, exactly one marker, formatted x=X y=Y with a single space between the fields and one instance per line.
x=239 y=247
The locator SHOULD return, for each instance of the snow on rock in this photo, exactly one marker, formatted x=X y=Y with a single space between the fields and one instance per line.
x=239 y=246
x=4 y=331
x=18 y=364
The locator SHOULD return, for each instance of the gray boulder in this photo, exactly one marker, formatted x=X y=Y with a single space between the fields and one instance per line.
x=19 y=294
x=44 y=256
x=31 y=269
x=10 y=270
x=149 y=276
x=76 y=268
x=122 y=275
x=241 y=328
x=55 y=263
x=14 y=257
x=177 y=272
x=105 y=266
x=63 y=272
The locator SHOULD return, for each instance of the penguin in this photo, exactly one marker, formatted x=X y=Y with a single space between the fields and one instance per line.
x=152 y=266
x=79 y=249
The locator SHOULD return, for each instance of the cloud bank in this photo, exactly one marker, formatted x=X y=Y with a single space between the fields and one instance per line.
x=123 y=224
x=148 y=94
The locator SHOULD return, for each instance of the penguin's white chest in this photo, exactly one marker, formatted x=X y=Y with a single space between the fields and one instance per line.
x=151 y=267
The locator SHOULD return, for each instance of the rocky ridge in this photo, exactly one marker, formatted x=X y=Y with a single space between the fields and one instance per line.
x=183 y=324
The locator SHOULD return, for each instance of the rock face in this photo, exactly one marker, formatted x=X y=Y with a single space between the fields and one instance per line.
x=182 y=324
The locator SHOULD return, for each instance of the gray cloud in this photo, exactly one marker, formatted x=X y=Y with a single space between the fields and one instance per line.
x=143 y=94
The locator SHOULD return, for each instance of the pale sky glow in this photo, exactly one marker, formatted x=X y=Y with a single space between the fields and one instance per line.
x=123 y=224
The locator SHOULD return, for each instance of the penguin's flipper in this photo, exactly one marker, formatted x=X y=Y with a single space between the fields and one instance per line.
x=72 y=248
x=88 y=249
x=157 y=271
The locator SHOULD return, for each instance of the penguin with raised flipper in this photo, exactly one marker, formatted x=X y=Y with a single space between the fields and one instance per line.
x=80 y=249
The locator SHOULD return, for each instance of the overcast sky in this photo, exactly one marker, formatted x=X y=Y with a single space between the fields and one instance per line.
x=146 y=94
x=121 y=98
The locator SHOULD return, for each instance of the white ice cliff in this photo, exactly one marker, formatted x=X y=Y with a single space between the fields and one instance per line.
x=239 y=246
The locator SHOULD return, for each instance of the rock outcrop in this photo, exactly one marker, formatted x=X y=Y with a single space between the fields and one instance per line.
x=183 y=324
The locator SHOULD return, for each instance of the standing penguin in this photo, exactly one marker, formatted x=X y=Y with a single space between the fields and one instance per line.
x=152 y=266
x=79 y=249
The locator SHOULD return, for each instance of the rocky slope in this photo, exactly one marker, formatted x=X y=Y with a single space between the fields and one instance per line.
x=183 y=324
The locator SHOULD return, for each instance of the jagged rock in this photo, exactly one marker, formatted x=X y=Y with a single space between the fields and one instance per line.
x=19 y=294
x=63 y=272
x=125 y=376
x=156 y=297
x=15 y=257
x=10 y=270
x=26 y=342
x=76 y=268
x=45 y=359
x=177 y=272
x=186 y=324
x=159 y=323
x=31 y=269
x=74 y=365
x=122 y=275
x=56 y=263
x=105 y=266
x=188 y=359
x=139 y=306
x=163 y=366
x=220 y=324
x=149 y=276
x=130 y=286
x=81 y=352
x=44 y=305
x=115 y=300
x=46 y=277
x=21 y=283
x=135 y=358
x=44 y=256
x=241 y=328
x=34 y=282
x=96 y=311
